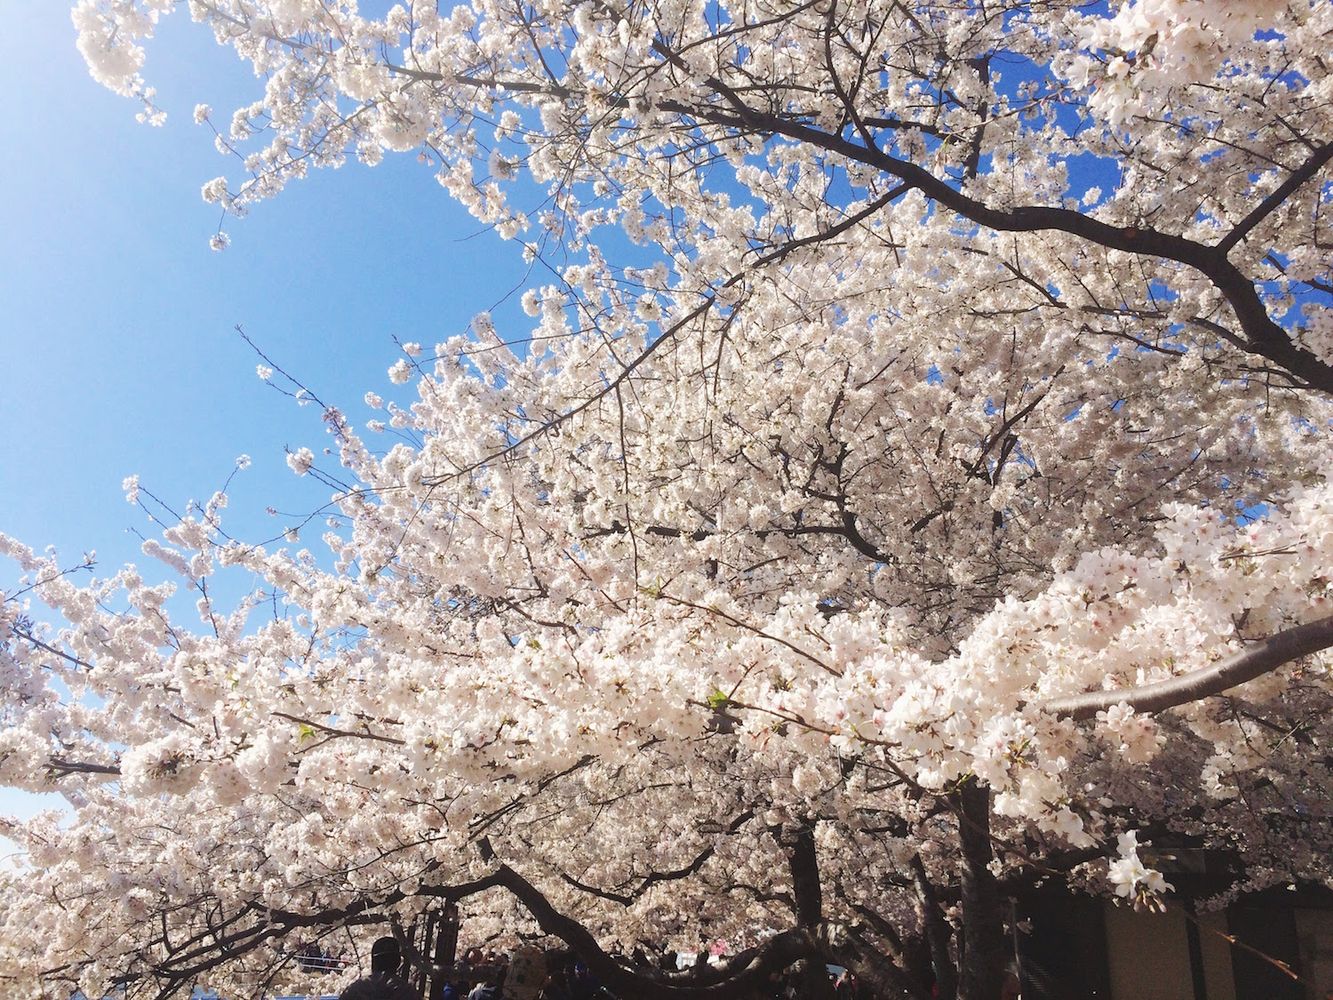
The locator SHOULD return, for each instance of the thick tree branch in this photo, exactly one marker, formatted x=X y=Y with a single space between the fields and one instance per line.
x=936 y=929
x=59 y=767
x=981 y=964
x=1263 y=336
x=803 y=867
x=1254 y=661
x=877 y=970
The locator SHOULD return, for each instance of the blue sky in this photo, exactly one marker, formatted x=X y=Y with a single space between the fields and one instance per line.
x=117 y=321
x=120 y=354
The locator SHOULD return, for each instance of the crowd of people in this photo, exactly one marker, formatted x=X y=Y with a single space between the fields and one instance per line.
x=530 y=973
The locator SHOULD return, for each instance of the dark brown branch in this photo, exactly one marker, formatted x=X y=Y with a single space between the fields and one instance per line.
x=936 y=930
x=334 y=731
x=1270 y=204
x=803 y=866
x=28 y=637
x=654 y=878
x=877 y=970
x=777 y=953
x=1263 y=336
x=981 y=963
x=59 y=767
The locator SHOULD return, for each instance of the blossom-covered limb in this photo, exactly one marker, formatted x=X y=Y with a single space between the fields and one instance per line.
x=1255 y=660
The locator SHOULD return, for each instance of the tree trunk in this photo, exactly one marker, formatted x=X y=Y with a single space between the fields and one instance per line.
x=984 y=949
x=936 y=932
x=803 y=864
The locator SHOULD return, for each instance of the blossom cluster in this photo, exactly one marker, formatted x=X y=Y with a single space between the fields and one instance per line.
x=805 y=523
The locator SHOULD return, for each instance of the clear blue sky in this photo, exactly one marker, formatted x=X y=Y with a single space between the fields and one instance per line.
x=116 y=320
x=119 y=350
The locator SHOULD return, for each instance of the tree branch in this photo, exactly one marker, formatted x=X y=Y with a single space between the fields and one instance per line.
x=653 y=878
x=936 y=929
x=1263 y=336
x=1270 y=204
x=1254 y=661
x=777 y=953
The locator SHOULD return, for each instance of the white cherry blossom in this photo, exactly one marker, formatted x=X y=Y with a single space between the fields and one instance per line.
x=908 y=478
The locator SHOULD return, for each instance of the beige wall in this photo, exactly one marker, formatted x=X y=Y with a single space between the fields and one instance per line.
x=1148 y=955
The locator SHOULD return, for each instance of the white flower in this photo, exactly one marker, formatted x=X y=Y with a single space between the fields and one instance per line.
x=374 y=400
x=411 y=348
x=805 y=780
x=1126 y=874
x=400 y=372
x=151 y=113
x=500 y=167
x=214 y=191
x=1136 y=736
x=1070 y=826
x=1133 y=880
x=532 y=302
x=201 y=113
x=264 y=372
x=301 y=460
x=219 y=241
x=130 y=484
x=648 y=307
x=242 y=461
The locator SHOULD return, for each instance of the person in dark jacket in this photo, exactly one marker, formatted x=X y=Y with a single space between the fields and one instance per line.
x=384 y=982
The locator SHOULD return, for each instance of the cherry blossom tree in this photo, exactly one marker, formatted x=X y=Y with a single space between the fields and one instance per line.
x=934 y=504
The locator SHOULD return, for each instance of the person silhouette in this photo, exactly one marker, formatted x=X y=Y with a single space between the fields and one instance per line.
x=384 y=982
